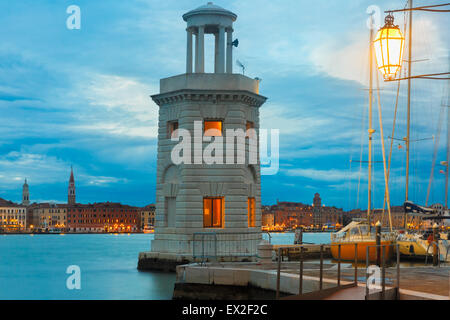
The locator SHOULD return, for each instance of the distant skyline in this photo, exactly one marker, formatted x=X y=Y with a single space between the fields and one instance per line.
x=81 y=97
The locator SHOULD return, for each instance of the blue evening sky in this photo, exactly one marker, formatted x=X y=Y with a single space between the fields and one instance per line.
x=81 y=97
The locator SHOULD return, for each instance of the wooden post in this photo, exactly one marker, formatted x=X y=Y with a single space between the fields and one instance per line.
x=300 y=284
x=378 y=242
x=383 y=274
x=367 y=272
x=398 y=271
x=321 y=267
x=356 y=263
x=435 y=245
x=339 y=266
x=278 y=274
x=298 y=236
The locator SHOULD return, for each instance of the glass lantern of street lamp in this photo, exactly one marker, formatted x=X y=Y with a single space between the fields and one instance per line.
x=388 y=44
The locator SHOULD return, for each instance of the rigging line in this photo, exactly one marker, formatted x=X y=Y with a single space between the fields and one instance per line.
x=435 y=151
x=392 y=141
x=424 y=8
x=360 y=155
x=386 y=183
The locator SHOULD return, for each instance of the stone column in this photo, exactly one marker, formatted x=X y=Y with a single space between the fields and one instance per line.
x=200 y=50
x=189 y=52
x=216 y=52
x=229 y=50
x=221 y=55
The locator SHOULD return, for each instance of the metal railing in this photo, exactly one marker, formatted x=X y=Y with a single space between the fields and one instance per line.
x=213 y=246
x=381 y=248
x=204 y=246
x=301 y=269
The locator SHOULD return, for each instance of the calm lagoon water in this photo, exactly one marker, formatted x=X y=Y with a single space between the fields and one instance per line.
x=34 y=266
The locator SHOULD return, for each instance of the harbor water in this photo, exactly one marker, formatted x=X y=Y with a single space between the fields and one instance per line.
x=34 y=266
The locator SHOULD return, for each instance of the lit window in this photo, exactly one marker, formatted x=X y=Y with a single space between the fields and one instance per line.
x=212 y=128
x=172 y=126
x=251 y=212
x=250 y=129
x=212 y=212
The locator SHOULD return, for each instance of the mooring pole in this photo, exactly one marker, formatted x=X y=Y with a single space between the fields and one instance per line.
x=321 y=267
x=278 y=274
x=378 y=242
x=300 y=284
x=435 y=245
x=356 y=263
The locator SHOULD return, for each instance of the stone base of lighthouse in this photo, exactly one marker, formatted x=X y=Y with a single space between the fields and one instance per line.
x=171 y=250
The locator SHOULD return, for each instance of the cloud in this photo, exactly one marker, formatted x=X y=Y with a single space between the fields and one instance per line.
x=15 y=167
x=321 y=175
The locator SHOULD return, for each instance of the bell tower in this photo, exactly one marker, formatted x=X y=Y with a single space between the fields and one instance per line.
x=199 y=203
x=71 y=191
x=25 y=194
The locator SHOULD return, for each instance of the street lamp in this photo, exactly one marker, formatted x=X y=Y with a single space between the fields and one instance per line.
x=388 y=44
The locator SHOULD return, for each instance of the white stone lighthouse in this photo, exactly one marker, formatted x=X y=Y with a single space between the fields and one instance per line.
x=203 y=209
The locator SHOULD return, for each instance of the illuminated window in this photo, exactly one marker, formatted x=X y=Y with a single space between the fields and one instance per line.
x=249 y=126
x=251 y=212
x=172 y=126
x=212 y=212
x=212 y=128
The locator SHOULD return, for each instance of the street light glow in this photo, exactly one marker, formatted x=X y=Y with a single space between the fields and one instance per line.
x=388 y=44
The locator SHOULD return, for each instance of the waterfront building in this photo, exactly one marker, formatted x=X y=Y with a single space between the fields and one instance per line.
x=267 y=219
x=192 y=197
x=25 y=194
x=103 y=217
x=292 y=214
x=13 y=217
x=296 y=214
x=397 y=214
x=147 y=216
x=71 y=199
x=49 y=216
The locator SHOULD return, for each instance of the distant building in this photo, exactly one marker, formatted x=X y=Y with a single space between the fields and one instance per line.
x=325 y=216
x=47 y=216
x=397 y=216
x=289 y=214
x=71 y=199
x=147 y=216
x=296 y=214
x=103 y=217
x=317 y=201
x=267 y=219
x=13 y=217
x=25 y=194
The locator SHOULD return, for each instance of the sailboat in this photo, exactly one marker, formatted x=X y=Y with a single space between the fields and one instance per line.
x=358 y=238
x=411 y=243
x=419 y=245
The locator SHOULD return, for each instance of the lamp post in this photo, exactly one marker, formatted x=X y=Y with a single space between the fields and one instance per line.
x=388 y=44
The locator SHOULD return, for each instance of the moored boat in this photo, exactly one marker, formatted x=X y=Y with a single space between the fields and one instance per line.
x=148 y=229
x=356 y=237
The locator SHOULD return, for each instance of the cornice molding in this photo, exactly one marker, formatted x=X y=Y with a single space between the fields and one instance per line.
x=212 y=96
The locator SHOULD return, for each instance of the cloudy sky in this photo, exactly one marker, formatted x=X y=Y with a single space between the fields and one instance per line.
x=81 y=97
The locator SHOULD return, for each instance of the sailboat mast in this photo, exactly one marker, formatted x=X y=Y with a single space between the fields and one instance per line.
x=448 y=150
x=408 y=112
x=370 y=130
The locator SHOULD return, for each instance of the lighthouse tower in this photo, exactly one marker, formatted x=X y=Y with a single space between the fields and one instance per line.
x=198 y=204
